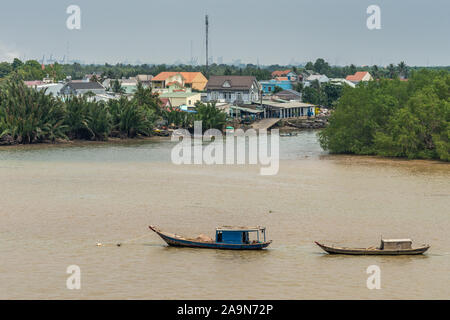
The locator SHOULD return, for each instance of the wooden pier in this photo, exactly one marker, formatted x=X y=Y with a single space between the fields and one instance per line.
x=265 y=124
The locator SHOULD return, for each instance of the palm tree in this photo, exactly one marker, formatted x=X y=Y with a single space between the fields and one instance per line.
x=78 y=118
x=211 y=117
x=375 y=71
x=131 y=119
x=117 y=87
x=392 y=71
x=99 y=122
x=403 y=69
x=145 y=97
x=175 y=116
x=28 y=115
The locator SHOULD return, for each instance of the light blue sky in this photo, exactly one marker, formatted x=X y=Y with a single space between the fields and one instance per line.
x=270 y=31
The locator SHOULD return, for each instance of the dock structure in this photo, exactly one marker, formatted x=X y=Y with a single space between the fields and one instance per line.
x=255 y=112
x=292 y=109
x=265 y=124
x=267 y=113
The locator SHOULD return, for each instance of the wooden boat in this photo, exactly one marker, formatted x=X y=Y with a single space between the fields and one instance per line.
x=387 y=247
x=227 y=238
x=288 y=134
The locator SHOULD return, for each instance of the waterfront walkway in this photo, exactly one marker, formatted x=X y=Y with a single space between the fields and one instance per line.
x=265 y=124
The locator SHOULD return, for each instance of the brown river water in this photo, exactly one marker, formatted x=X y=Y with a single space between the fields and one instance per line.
x=58 y=202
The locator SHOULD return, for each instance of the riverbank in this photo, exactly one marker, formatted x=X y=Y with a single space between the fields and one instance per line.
x=294 y=141
x=80 y=143
x=301 y=124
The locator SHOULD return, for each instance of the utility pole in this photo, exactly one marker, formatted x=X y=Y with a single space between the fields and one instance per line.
x=207 y=42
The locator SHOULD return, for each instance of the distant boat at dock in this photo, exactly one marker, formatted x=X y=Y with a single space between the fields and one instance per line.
x=289 y=134
x=226 y=238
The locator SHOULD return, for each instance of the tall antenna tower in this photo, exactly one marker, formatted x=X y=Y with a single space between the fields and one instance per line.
x=207 y=41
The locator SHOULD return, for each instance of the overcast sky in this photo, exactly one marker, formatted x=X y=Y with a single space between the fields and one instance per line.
x=264 y=31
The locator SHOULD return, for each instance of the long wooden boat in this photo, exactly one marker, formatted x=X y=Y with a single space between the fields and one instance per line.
x=382 y=250
x=227 y=238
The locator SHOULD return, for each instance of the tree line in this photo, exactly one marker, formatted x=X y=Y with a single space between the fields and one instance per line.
x=390 y=71
x=33 y=70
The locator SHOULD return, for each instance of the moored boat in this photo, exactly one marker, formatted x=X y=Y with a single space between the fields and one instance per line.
x=228 y=238
x=387 y=247
x=288 y=134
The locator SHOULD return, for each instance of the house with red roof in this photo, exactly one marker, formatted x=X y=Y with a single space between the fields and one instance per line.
x=359 y=76
x=193 y=80
x=289 y=74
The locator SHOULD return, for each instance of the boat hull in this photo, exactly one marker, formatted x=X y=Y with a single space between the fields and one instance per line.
x=379 y=252
x=185 y=243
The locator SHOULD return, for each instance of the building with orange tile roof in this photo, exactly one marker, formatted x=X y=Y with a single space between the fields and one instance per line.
x=194 y=80
x=359 y=76
x=289 y=74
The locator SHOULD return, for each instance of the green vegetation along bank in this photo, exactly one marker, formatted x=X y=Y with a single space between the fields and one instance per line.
x=393 y=118
x=32 y=116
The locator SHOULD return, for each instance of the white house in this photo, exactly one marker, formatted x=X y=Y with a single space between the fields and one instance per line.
x=233 y=89
x=342 y=81
x=359 y=76
x=80 y=88
x=50 y=88
x=319 y=77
